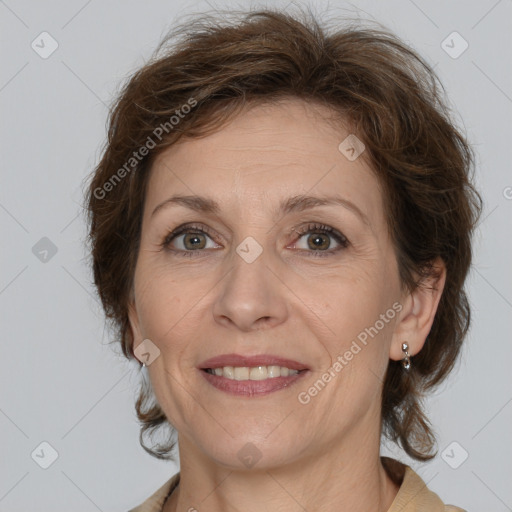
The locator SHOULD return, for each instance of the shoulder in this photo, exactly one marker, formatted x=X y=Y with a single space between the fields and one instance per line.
x=156 y=501
x=415 y=496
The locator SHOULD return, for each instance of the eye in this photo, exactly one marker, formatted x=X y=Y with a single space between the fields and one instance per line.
x=319 y=239
x=187 y=239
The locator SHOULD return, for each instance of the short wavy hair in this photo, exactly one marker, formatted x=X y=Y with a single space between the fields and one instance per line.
x=210 y=68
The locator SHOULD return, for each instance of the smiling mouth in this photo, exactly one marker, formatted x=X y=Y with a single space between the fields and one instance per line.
x=252 y=381
x=247 y=376
x=252 y=373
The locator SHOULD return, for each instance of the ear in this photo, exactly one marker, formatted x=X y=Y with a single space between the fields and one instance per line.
x=133 y=318
x=418 y=312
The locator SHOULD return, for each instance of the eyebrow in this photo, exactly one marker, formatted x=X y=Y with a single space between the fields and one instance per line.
x=292 y=204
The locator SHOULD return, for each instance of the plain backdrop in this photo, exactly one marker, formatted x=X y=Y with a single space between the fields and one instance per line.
x=63 y=384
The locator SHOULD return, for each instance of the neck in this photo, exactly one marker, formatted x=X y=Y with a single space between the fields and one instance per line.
x=353 y=479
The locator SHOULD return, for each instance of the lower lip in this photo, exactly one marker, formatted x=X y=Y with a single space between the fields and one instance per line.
x=251 y=387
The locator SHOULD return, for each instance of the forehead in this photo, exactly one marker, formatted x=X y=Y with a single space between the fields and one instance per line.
x=266 y=153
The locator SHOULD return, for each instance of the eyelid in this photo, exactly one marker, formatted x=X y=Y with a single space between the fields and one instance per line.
x=312 y=227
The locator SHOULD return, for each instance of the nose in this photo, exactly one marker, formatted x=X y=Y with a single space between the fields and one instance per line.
x=251 y=296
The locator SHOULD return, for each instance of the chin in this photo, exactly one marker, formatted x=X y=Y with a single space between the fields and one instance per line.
x=253 y=452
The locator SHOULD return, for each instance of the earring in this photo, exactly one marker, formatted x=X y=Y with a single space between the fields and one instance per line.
x=406 y=361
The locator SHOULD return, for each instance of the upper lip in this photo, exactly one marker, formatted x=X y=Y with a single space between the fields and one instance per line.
x=251 y=361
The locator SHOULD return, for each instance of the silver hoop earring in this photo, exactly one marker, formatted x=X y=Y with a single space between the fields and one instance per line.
x=406 y=361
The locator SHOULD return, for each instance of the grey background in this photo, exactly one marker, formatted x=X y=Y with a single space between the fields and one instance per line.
x=61 y=382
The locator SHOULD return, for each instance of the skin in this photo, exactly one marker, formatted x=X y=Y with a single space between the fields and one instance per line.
x=287 y=303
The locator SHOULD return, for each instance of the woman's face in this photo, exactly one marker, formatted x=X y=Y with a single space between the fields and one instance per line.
x=262 y=276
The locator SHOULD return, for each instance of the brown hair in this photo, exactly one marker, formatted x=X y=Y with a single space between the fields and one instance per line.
x=393 y=102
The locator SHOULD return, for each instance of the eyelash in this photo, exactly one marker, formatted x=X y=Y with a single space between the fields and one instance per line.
x=310 y=228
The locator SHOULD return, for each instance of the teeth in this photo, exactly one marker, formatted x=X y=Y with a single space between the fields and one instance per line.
x=273 y=371
x=241 y=373
x=254 y=373
x=258 y=373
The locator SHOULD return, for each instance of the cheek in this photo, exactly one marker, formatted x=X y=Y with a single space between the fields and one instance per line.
x=356 y=306
x=361 y=319
x=161 y=302
x=352 y=298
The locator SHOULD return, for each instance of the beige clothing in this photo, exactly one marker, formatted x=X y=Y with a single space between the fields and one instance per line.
x=413 y=495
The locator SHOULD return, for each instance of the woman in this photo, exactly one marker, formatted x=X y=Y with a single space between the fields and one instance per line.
x=281 y=230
